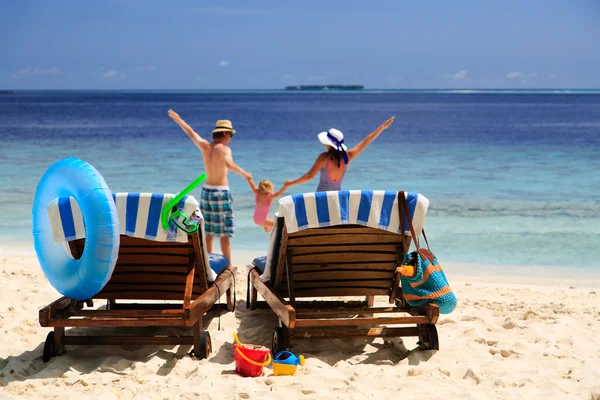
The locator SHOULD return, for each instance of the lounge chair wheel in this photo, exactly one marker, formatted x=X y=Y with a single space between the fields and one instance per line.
x=48 y=347
x=280 y=340
x=205 y=345
x=428 y=337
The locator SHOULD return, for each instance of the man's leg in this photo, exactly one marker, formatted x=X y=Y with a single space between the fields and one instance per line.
x=228 y=225
x=226 y=247
x=208 y=214
x=209 y=243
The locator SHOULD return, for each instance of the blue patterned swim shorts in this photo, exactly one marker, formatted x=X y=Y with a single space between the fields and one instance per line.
x=215 y=204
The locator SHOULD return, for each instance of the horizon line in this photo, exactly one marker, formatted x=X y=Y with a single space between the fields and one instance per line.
x=295 y=91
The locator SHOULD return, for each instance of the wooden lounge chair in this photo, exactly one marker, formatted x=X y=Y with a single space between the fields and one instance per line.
x=171 y=278
x=344 y=259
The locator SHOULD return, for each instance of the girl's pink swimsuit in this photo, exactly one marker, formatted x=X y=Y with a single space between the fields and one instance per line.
x=261 y=213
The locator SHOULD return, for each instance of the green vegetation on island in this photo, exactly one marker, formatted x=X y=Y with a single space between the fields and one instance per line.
x=325 y=87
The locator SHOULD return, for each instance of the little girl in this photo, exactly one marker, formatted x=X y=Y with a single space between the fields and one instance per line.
x=264 y=198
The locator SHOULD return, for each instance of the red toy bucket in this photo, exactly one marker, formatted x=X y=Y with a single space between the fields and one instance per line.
x=250 y=359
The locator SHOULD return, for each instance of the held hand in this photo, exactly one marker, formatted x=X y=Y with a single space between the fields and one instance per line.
x=387 y=123
x=287 y=183
x=247 y=176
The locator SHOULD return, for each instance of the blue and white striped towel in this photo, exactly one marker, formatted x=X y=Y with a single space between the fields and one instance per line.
x=139 y=216
x=373 y=208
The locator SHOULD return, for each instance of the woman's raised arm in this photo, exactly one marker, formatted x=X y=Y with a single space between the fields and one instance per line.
x=356 y=150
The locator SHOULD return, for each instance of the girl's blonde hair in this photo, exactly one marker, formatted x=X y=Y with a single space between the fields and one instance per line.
x=265 y=187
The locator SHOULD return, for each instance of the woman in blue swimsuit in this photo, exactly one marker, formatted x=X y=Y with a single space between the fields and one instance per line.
x=334 y=162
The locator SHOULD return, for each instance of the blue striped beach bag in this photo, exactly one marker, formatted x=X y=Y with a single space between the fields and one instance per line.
x=428 y=284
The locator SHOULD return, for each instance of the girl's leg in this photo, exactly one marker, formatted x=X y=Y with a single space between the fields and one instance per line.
x=268 y=225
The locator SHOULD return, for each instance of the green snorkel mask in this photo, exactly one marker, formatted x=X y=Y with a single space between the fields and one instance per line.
x=170 y=212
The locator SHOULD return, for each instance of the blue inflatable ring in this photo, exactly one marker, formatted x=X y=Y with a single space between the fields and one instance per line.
x=83 y=278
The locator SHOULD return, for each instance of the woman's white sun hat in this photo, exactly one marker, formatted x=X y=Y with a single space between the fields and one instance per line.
x=333 y=138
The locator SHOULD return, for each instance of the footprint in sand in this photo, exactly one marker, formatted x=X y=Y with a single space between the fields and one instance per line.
x=470 y=374
x=508 y=324
x=445 y=321
x=414 y=372
x=529 y=315
x=507 y=353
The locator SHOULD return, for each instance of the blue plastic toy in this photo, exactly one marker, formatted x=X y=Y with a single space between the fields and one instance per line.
x=285 y=363
x=78 y=279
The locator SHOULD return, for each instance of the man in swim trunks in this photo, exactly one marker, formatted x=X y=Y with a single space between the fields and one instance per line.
x=215 y=202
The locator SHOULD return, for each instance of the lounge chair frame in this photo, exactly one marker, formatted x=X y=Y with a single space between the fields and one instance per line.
x=145 y=270
x=345 y=260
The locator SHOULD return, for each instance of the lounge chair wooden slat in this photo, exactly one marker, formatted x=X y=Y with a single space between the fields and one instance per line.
x=375 y=266
x=129 y=340
x=339 y=332
x=356 y=284
x=347 y=261
x=150 y=271
x=163 y=250
x=121 y=322
x=319 y=240
x=343 y=248
x=140 y=285
x=139 y=295
x=341 y=291
x=149 y=268
x=154 y=259
x=342 y=230
x=129 y=313
x=306 y=322
x=317 y=258
x=317 y=313
x=147 y=245
x=327 y=274
x=150 y=278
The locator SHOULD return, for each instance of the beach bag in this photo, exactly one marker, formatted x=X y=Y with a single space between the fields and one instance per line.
x=428 y=284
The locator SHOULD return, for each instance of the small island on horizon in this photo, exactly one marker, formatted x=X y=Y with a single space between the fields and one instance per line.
x=325 y=87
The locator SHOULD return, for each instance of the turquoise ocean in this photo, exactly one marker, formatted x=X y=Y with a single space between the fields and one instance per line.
x=513 y=178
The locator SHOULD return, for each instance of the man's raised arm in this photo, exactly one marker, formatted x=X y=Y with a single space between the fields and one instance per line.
x=202 y=144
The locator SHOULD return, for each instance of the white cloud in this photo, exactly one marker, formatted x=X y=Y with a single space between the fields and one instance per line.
x=110 y=74
x=460 y=74
x=552 y=76
x=146 y=68
x=37 y=71
x=223 y=63
x=513 y=75
x=532 y=75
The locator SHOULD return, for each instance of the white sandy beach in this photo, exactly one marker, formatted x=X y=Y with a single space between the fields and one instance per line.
x=509 y=338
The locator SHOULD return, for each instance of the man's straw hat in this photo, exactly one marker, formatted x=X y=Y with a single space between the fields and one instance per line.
x=224 y=125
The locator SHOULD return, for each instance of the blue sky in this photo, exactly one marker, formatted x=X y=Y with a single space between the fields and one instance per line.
x=120 y=44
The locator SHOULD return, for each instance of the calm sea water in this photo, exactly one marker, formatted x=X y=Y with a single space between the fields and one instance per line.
x=511 y=178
